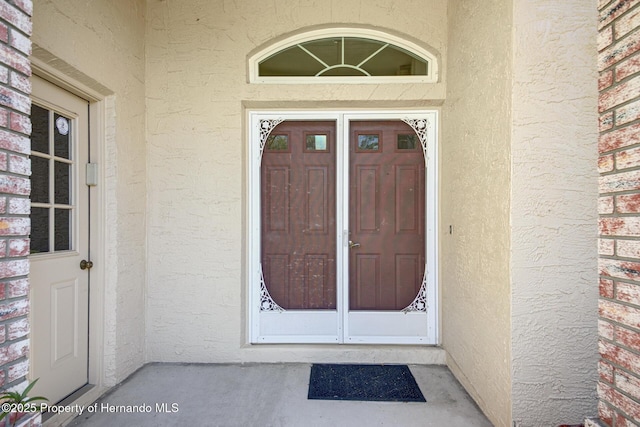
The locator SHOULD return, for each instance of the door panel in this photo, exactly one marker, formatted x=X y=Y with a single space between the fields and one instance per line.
x=65 y=320
x=59 y=241
x=386 y=216
x=367 y=269
x=298 y=196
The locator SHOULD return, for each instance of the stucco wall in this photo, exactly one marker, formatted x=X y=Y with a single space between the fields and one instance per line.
x=101 y=43
x=553 y=213
x=533 y=69
x=475 y=165
x=517 y=269
x=196 y=89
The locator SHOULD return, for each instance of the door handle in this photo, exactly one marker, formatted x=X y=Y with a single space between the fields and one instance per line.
x=353 y=245
x=86 y=265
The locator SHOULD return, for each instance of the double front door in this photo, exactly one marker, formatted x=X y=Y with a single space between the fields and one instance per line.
x=344 y=243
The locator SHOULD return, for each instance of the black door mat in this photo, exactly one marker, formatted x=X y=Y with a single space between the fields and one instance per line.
x=380 y=383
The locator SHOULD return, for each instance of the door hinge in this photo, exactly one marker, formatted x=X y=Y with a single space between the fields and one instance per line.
x=92 y=174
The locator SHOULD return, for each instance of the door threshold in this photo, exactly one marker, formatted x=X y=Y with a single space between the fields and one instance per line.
x=69 y=400
x=82 y=397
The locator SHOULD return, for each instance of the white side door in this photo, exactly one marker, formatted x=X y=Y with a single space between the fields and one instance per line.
x=59 y=241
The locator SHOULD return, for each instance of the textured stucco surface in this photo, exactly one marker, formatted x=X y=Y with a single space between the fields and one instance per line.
x=553 y=213
x=103 y=40
x=196 y=87
x=518 y=182
x=475 y=157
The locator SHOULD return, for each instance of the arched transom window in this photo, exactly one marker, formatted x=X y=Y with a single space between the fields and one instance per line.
x=343 y=56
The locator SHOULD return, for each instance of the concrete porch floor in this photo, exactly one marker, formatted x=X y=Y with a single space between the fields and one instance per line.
x=273 y=395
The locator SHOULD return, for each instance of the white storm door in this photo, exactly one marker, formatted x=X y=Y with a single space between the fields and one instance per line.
x=59 y=241
x=391 y=228
x=297 y=248
x=343 y=218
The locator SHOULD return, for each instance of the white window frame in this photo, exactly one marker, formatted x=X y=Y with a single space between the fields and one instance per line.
x=430 y=58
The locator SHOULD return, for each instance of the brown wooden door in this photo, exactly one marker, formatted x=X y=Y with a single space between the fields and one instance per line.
x=298 y=215
x=387 y=203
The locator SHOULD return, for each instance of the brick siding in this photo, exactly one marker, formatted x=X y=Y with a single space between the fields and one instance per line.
x=15 y=168
x=619 y=209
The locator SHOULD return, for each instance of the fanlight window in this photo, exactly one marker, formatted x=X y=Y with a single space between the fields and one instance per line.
x=352 y=58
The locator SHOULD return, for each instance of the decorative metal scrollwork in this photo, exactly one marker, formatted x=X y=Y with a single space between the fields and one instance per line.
x=266 y=302
x=420 y=301
x=266 y=126
x=421 y=128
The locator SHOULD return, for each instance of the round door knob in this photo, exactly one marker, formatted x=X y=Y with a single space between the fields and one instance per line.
x=86 y=265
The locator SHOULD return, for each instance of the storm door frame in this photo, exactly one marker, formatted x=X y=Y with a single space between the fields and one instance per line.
x=330 y=330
